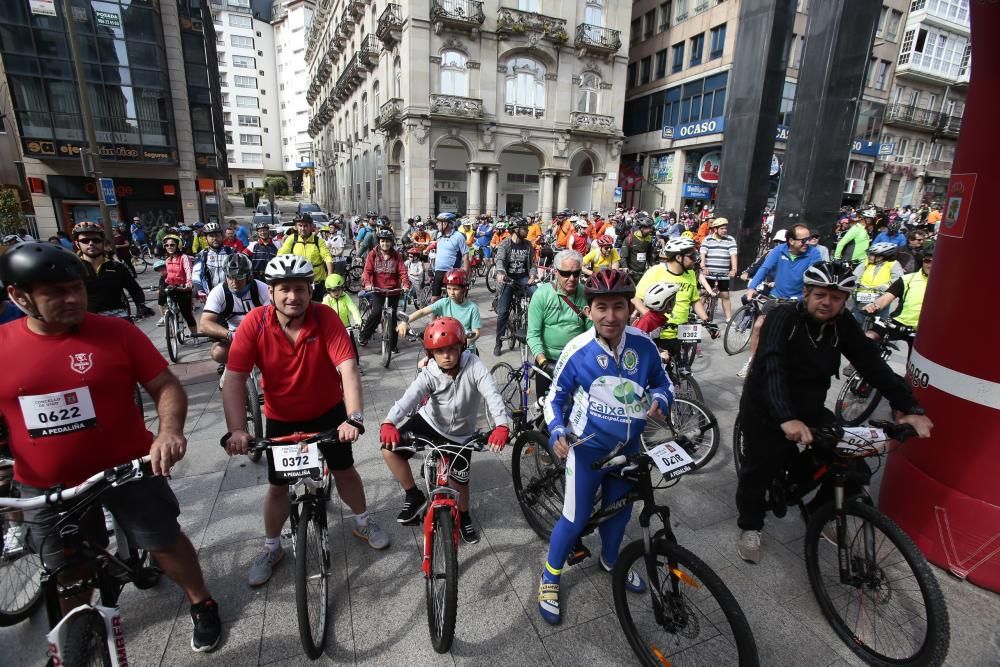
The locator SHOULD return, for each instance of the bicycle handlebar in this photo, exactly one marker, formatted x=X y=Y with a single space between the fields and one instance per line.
x=120 y=474
x=330 y=435
x=476 y=442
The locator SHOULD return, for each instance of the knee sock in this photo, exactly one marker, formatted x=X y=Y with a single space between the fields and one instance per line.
x=550 y=575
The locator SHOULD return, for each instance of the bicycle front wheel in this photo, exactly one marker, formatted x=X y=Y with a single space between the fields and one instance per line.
x=738 y=330
x=890 y=610
x=386 y=342
x=491 y=278
x=686 y=617
x=539 y=482
x=170 y=328
x=687 y=387
x=255 y=421
x=856 y=401
x=686 y=417
x=508 y=382
x=442 y=584
x=354 y=279
x=312 y=577
x=86 y=641
x=20 y=572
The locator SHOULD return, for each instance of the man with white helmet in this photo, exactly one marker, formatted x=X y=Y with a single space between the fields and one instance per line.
x=874 y=275
x=452 y=251
x=228 y=303
x=210 y=264
x=309 y=367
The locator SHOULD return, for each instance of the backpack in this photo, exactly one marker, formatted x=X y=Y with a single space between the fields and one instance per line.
x=227 y=312
x=295 y=239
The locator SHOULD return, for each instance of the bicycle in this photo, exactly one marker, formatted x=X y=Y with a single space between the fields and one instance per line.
x=517 y=319
x=175 y=327
x=440 y=531
x=670 y=624
x=355 y=267
x=90 y=633
x=20 y=581
x=296 y=460
x=141 y=256
x=388 y=319
x=254 y=405
x=514 y=385
x=739 y=328
x=858 y=399
x=679 y=365
x=868 y=584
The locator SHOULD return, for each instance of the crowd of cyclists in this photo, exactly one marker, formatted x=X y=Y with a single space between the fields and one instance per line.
x=606 y=297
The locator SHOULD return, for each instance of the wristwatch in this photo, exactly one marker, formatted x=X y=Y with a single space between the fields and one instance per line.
x=357 y=418
x=917 y=411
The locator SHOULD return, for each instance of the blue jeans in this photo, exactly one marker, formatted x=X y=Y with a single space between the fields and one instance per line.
x=506 y=294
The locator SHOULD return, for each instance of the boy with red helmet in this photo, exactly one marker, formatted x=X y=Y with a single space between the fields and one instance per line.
x=451 y=388
x=456 y=306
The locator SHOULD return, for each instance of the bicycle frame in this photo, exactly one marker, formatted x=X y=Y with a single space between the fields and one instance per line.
x=442 y=496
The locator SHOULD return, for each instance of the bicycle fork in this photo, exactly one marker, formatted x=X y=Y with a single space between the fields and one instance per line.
x=853 y=572
x=444 y=497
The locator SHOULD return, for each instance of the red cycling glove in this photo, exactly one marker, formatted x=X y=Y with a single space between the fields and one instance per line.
x=498 y=438
x=389 y=434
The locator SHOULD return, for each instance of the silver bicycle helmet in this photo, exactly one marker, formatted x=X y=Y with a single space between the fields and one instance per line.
x=833 y=275
x=883 y=249
x=238 y=266
x=678 y=245
x=289 y=267
x=212 y=227
x=661 y=296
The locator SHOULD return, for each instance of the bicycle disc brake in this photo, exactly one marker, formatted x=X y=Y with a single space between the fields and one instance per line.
x=676 y=615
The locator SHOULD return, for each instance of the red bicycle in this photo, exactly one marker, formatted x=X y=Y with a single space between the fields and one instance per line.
x=441 y=525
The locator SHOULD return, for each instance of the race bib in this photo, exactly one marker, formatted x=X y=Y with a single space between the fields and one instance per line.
x=671 y=459
x=55 y=414
x=860 y=438
x=689 y=332
x=640 y=257
x=864 y=298
x=296 y=459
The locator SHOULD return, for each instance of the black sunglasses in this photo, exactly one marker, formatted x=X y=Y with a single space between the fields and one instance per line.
x=88 y=241
x=569 y=274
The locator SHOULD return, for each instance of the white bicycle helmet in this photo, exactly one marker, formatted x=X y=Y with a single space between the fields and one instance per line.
x=678 y=245
x=211 y=227
x=289 y=267
x=834 y=275
x=238 y=266
x=661 y=296
x=780 y=236
x=883 y=249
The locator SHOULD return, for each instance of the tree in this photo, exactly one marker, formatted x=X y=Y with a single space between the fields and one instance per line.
x=279 y=183
x=11 y=216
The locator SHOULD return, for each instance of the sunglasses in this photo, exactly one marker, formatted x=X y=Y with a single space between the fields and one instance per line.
x=90 y=240
x=169 y=245
x=928 y=260
x=569 y=274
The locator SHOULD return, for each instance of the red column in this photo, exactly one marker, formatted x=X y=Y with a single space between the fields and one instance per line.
x=945 y=491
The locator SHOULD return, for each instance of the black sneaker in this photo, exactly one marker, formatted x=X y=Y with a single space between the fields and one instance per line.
x=498 y=348
x=413 y=506
x=207 y=626
x=469 y=534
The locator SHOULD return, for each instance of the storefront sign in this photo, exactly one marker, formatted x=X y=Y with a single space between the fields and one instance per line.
x=305 y=165
x=78 y=187
x=108 y=192
x=708 y=168
x=661 y=169
x=46 y=148
x=109 y=19
x=699 y=128
x=887 y=149
x=865 y=147
x=696 y=191
x=782 y=133
x=42 y=7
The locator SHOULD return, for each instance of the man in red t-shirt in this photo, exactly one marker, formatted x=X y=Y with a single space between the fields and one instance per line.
x=77 y=416
x=312 y=383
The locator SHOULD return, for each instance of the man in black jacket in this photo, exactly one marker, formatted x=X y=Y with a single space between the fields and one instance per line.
x=107 y=279
x=785 y=390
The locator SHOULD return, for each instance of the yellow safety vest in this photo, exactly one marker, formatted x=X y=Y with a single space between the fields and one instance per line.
x=914 y=286
x=877 y=276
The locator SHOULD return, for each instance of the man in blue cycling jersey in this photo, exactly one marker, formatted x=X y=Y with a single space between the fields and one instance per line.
x=603 y=382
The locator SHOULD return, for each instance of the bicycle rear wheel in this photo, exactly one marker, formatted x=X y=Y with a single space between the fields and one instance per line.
x=539 y=482
x=700 y=622
x=312 y=576
x=737 y=444
x=386 y=341
x=491 y=278
x=690 y=418
x=86 y=641
x=170 y=328
x=442 y=584
x=354 y=279
x=856 y=401
x=508 y=382
x=687 y=387
x=891 y=612
x=255 y=420
x=738 y=330
x=20 y=572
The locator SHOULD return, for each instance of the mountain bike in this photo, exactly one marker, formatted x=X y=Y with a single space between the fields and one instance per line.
x=687 y=615
x=355 y=267
x=254 y=405
x=142 y=256
x=90 y=633
x=679 y=365
x=858 y=399
x=176 y=328
x=296 y=460
x=515 y=385
x=388 y=320
x=440 y=528
x=20 y=570
x=517 y=319
x=739 y=328
x=876 y=591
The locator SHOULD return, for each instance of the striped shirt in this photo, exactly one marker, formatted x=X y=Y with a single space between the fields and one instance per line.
x=717 y=254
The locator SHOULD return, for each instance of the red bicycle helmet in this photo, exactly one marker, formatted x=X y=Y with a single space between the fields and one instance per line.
x=414 y=251
x=609 y=282
x=605 y=241
x=444 y=332
x=456 y=277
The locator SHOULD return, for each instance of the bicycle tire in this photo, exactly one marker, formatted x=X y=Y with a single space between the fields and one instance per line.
x=365 y=308
x=170 y=328
x=255 y=420
x=386 y=338
x=679 y=621
x=856 y=400
x=739 y=329
x=934 y=648
x=516 y=324
x=354 y=279
x=426 y=297
x=139 y=264
x=687 y=387
x=312 y=577
x=508 y=383
x=539 y=482
x=686 y=415
x=491 y=279
x=86 y=641
x=20 y=576
x=442 y=605
x=710 y=303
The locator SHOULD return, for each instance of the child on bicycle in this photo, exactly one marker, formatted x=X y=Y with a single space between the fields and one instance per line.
x=336 y=298
x=456 y=305
x=453 y=384
x=603 y=382
x=416 y=271
x=659 y=299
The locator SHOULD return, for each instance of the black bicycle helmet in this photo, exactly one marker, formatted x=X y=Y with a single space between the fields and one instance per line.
x=516 y=222
x=385 y=235
x=238 y=266
x=609 y=282
x=32 y=262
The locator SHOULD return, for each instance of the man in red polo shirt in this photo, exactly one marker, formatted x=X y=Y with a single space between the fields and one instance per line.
x=67 y=394
x=312 y=383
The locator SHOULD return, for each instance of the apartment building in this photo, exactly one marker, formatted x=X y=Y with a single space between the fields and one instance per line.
x=291 y=20
x=470 y=106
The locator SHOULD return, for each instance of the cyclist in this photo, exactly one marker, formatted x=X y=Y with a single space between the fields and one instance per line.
x=231 y=240
x=603 y=378
x=311 y=373
x=304 y=242
x=210 y=264
x=442 y=403
x=515 y=269
x=578 y=239
x=122 y=251
x=892 y=234
x=227 y=304
x=603 y=255
x=855 y=241
x=345 y=307
x=534 y=232
x=107 y=279
x=500 y=234
x=336 y=242
x=138 y=232
x=556 y=315
x=785 y=265
x=421 y=239
x=785 y=390
x=909 y=289
x=718 y=263
x=457 y=306
x=873 y=276
x=659 y=300
x=79 y=417
x=910 y=255
x=637 y=249
x=452 y=253
x=189 y=242
x=261 y=250
x=385 y=269
x=179 y=278
x=680 y=256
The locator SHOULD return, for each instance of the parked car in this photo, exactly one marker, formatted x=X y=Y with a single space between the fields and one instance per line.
x=320 y=218
x=307 y=207
x=268 y=219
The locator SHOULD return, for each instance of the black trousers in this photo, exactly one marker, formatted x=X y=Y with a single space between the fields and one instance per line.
x=378 y=301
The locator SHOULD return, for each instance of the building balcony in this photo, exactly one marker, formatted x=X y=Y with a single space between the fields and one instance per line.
x=454 y=106
x=594 y=38
x=927 y=68
x=390 y=25
x=370 y=51
x=939 y=168
x=913 y=117
x=349 y=79
x=950 y=126
x=313 y=92
x=460 y=14
x=356 y=9
x=516 y=22
x=340 y=38
x=347 y=20
x=591 y=123
x=389 y=114
x=950 y=17
x=518 y=110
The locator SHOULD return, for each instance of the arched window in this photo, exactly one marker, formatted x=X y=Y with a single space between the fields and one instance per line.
x=397 y=79
x=454 y=79
x=525 y=87
x=376 y=100
x=590 y=86
x=354 y=116
x=593 y=14
x=364 y=114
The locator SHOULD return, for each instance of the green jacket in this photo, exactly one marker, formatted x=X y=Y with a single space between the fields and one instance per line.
x=859 y=235
x=552 y=323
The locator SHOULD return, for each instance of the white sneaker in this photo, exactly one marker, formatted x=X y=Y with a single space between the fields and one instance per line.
x=159 y=322
x=742 y=373
x=749 y=545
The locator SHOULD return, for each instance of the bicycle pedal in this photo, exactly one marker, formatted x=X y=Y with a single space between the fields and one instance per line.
x=579 y=554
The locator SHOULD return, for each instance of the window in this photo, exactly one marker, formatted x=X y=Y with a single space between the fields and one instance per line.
x=881 y=21
x=247 y=102
x=231 y=156
x=250 y=140
x=245 y=81
x=678 y=53
x=253 y=158
x=882 y=76
x=528 y=5
x=227 y=118
x=901 y=149
x=648 y=24
x=229 y=137
x=698 y=100
x=787 y=103
x=682 y=11
x=718 y=43
x=590 y=87
x=249 y=121
x=892 y=27
x=932 y=102
x=697 y=47
x=240 y=41
x=244 y=62
x=897 y=94
x=454 y=79
x=918 y=151
x=645 y=65
x=593 y=13
x=915 y=98
x=525 y=87
x=661 y=64
x=225 y=99
x=630 y=75
x=664 y=16
x=635 y=32
x=936 y=151
x=397 y=79
x=364 y=114
x=240 y=21
x=376 y=100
